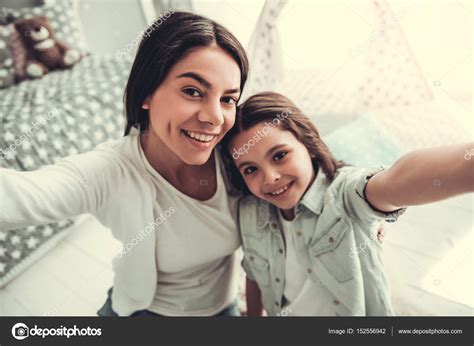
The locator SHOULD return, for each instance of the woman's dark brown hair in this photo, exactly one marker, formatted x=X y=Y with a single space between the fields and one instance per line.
x=268 y=106
x=169 y=41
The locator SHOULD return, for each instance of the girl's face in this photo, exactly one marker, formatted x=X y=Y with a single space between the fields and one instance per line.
x=195 y=105
x=277 y=168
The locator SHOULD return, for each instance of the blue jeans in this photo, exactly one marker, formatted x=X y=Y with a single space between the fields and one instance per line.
x=106 y=309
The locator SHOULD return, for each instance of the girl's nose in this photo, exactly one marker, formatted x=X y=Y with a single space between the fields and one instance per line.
x=271 y=177
x=212 y=114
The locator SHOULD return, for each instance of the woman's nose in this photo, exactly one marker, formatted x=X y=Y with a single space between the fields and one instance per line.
x=212 y=114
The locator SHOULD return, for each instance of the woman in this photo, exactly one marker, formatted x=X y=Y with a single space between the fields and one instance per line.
x=160 y=188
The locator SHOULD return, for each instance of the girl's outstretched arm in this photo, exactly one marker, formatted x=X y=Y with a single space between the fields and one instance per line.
x=423 y=176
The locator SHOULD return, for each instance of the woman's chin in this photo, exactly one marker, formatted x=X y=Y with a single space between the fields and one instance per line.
x=196 y=159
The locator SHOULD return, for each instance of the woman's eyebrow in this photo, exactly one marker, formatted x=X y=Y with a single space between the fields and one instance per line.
x=198 y=78
x=206 y=84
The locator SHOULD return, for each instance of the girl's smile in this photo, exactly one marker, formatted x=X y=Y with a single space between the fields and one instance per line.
x=282 y=191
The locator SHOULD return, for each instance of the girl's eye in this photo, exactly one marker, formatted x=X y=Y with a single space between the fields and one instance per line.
x=249 y=170
x=280 y=155
x=229 y=100
x=192 y=92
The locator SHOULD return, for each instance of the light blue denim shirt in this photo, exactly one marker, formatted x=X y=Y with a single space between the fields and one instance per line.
x=335 y=235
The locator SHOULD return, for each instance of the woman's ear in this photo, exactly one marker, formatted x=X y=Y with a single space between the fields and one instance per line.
x=146 y=103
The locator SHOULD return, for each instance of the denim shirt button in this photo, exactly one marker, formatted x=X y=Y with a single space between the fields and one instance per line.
x=331 y=240
x=310 y=270
x=281 y=251
x=277 y=280
x=277 y=304
x=336 y=302
x=251 y=258
x=299 y=233
x=274 y=225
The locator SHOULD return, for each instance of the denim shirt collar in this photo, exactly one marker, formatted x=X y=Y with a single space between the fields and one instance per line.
x=313 y=200
x=263 y=214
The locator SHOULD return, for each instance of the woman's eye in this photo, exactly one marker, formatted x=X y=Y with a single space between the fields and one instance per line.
x=192 y=92
x=249 y=170
x=229 y=100
x=279 y=156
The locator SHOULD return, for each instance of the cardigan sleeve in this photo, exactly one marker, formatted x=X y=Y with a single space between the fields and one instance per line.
x=75 y=185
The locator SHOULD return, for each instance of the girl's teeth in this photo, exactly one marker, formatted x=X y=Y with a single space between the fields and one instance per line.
x=279 y=191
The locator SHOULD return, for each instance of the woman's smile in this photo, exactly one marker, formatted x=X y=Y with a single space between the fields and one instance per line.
x=199 y=139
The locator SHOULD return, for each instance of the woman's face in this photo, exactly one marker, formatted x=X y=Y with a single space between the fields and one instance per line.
x=195 y=106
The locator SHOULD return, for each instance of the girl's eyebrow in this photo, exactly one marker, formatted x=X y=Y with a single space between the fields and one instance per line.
x=206 y=84
x=274 y=148
x=243 y=164
x=269 y=152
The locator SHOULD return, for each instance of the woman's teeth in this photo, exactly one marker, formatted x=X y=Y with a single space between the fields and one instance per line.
x=280 y=190
x=199 y=136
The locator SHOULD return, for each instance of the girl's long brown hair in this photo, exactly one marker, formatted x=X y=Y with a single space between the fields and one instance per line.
x=267 y=106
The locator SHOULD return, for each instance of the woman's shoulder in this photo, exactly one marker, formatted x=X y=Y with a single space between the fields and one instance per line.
x=112 y=159
x=120 y=148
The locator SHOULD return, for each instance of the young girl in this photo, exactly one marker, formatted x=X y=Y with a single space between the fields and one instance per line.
x=304 y=214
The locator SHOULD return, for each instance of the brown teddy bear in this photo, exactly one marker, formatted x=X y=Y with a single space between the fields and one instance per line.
x=43 y=52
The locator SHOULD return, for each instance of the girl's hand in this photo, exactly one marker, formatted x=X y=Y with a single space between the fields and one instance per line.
x=423 y=176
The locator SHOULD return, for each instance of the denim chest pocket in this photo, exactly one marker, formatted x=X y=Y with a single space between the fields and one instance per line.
x=253 y=232
x=258 y=242
x=333 y=250
x=259 y=266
